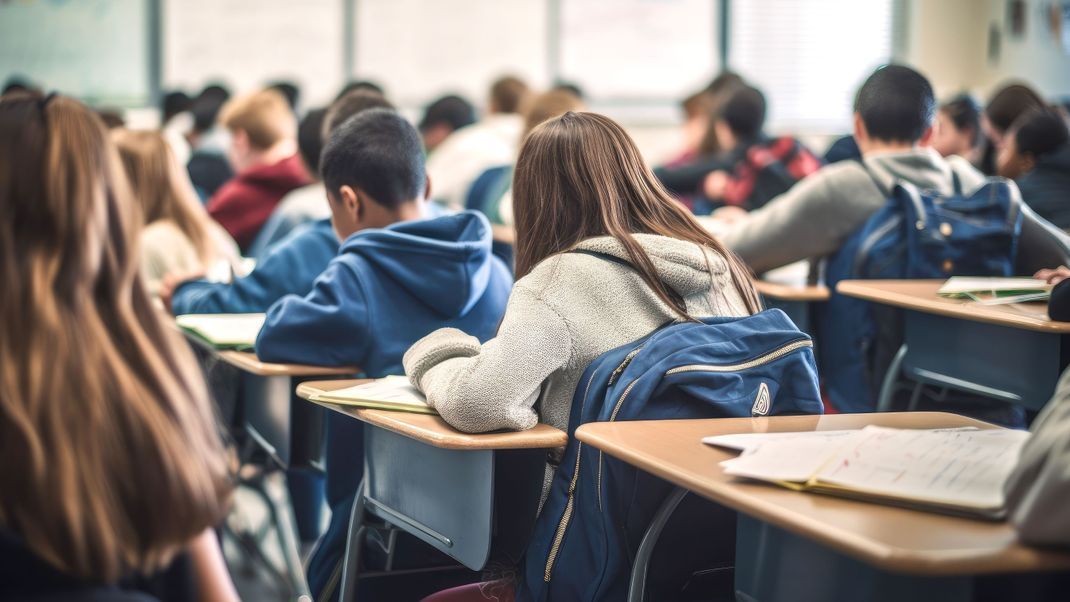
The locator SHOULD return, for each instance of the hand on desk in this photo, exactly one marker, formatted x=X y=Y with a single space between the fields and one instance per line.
x=172 y=281
x=1053 y=276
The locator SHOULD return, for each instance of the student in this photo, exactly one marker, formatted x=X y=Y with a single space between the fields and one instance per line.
x=1036 y=154
x=580 y=184
x=697 y=109
x=843 y=148
x=466 y=153
x=443 y=117
x=290 y=91
x=287 y=267
x=208 y=167
x=176 y=121
x=306 y=204
x=1038 y=488
x=752 y=168
x=178 y=235
x=957 y=129
x=263 y=153
x=892 y=125
x=397 y=277
x=113 y=465
x=1008 y=104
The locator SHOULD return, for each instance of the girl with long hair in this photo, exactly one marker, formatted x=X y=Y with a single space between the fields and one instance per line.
x=112 y=461
x=178 y=237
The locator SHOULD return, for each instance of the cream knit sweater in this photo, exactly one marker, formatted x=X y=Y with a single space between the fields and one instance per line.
x=569 y=310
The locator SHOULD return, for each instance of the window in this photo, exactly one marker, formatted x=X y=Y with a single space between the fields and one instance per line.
x=809 y=57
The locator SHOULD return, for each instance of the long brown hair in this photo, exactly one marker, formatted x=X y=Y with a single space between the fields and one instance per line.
x=161 y=186
x=112 y=460
x=579 y=176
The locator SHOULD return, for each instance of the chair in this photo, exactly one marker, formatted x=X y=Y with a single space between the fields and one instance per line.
x=1041 y=244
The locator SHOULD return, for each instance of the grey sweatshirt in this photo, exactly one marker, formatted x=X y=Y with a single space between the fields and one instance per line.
x=818 y=214
x=1038 y=491
x=569 y=310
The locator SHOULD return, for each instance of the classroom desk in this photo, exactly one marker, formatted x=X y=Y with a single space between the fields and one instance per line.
x=794 y=546
x=1013 y=353
x=796 y=300
x=444 y=486
x=265 y=392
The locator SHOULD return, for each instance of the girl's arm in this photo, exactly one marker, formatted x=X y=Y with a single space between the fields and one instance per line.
x=479 y=388
x=213 y=579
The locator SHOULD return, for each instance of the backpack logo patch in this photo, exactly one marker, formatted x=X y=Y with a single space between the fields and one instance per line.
x=761 y=402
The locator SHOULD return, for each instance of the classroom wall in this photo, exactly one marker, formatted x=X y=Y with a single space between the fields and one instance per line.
x=949 y=41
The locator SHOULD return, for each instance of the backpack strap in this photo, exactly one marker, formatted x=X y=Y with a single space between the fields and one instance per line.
x=624 y=262
x=956 y=184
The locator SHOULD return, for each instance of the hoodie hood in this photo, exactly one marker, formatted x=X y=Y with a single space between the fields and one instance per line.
x=445 y=262
x=686 y=267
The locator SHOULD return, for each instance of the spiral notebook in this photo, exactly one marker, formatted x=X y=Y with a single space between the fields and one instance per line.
x=223 y=331
x=390 y=393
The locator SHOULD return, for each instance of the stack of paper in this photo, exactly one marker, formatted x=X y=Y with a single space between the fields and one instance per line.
x=390 y=393
x=996 y=291
x=223 y=331
x=959 y=471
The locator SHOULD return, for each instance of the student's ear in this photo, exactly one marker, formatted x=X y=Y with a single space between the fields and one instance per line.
x=926 y=136
x=861 y=135
x=427 y=187
x=352 y=201
x=1027 y=162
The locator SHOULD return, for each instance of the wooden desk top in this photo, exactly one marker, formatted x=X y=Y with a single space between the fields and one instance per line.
x=792 y=292
x=920 y=295
x=248 y=362
x=895 y=539
x=433 y=430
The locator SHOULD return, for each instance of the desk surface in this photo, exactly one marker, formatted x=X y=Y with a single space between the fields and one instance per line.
x=432 y=429
x=792 y=292
x=895 y=539
x=920 y=295
x=248 y=362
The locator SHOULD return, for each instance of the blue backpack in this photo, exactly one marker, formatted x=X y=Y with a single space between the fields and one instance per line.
x=598 y=508
x=917 y=234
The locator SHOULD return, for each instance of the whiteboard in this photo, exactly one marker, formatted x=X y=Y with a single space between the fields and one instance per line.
x=96 y=50
x=639 y=49
x=420 y=49
x=249 y=43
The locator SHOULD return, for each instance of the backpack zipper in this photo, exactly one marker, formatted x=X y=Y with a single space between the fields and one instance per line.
x=758 y=361
x=559 y=535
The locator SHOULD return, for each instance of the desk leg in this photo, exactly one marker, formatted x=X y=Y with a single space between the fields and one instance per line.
x=637 y=586
x=773 y=565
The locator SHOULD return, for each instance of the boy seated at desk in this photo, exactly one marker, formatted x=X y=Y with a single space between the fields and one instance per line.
x=893 y=117
x=288 y=267
x=396 y=278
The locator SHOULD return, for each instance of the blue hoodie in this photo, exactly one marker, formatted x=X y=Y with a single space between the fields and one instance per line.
x=386 y=289
x=288 y=267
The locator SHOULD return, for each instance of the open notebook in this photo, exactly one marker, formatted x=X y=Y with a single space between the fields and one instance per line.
x=390 y=393
x=996 y=291
x=223 y=331
x=955 y=471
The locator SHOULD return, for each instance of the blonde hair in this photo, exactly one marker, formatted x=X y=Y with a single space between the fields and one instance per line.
x=549 y=105
x=264 y=116
x=113 y=460
x=163 y=189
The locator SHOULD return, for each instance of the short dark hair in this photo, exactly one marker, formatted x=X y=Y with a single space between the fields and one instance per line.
x=1009 y=103
x=572 y=88
x=174 y=103
x=451 y=110
x=206 y=106
x=896 y=103
x=289 y=90
x=349 y=105
x=360 y=84
x=1040 y=132
x=965 y=113
x=508 y=94
x=744 y=112
x=310 y=139
x=379 y=152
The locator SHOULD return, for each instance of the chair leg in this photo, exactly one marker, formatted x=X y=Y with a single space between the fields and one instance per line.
x=637 y=586
x=884 y=402
x=354 y=545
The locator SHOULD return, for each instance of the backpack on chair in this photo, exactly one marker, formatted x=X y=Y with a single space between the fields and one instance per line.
x=917 y=234
x=598 y=508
